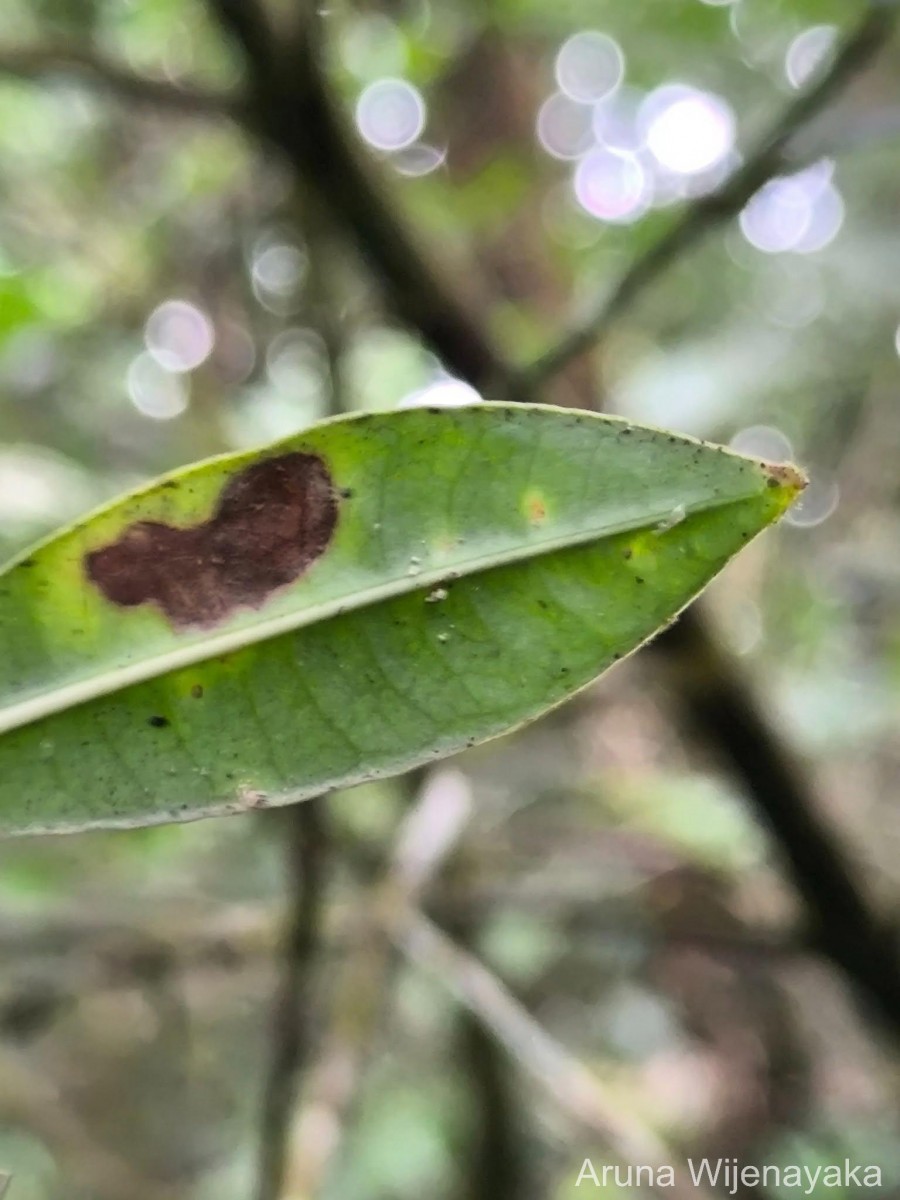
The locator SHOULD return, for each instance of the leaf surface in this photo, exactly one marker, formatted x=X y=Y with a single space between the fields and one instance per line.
x=367 y=595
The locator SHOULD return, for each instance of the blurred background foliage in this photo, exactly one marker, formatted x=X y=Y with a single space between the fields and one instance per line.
x=165 y=294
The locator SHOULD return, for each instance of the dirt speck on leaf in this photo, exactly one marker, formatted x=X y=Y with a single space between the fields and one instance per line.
x=273 y=520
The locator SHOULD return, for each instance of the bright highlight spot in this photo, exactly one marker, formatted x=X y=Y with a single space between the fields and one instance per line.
x=763 y=441
x=809 y=53
x=815 y=504
x=418 y=159
x=390 y=114
x=615 y=121
x=296 y=362
x=445 y=392
x=178 y=336
x=612 y=186
x=564 y=127
x=37 y=486
x=687 y=130
x=277 y=272
x=589 y=66
x=154 y=391
x=800 y=213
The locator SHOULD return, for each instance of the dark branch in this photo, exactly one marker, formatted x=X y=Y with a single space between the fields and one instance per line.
x=770 y=156
x=245 y=22
x=843 y=924
x=292 y=107
x=291 y=1018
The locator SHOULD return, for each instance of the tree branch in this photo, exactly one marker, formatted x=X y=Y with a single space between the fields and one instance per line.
x=843 y=924
x=292 y=1018
x=66 y=60
x=246 y=23
x=767 y=159
x=291 y=106
x=427 y=835
x=573 y=1087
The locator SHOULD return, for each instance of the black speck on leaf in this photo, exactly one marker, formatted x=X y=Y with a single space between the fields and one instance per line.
x=158 y=722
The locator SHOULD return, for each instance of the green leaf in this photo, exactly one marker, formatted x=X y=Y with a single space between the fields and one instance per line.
x=370 y=594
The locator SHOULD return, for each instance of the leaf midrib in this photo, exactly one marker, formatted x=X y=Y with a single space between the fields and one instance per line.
x=48 y=703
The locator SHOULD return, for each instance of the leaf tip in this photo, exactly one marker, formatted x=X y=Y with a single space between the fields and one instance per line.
x=787 y=478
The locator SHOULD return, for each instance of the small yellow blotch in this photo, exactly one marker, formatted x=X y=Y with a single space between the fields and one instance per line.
x=641 y=552
x=535 y=508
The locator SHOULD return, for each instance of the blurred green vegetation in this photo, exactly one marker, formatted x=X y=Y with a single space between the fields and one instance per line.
x=613 y=874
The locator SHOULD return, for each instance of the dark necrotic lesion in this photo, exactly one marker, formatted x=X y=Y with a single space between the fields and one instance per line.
x=273 y=520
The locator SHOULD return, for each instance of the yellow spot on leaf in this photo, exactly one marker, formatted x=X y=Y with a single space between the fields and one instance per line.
x=535 y=508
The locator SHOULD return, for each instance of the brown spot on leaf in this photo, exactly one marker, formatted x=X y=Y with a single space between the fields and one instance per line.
x=785 y=475
x=273 y=520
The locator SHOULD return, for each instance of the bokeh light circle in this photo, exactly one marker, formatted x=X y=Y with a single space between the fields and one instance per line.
x=688 y=131
x=613 y=186
x=390 y=114
x=179 y=336
x=589 y=66
x=155 y=391
x=763 y=441
x=809 y=53
x=564 y=127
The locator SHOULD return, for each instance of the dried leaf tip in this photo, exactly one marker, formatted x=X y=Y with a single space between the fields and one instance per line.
x=786 y=476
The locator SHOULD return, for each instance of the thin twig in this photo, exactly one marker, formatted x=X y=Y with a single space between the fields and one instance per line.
x=427 y=836
x=769 y=157
x=494 y=1156
x=291 y=1038
x=71 y=61
x=573 y=1087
